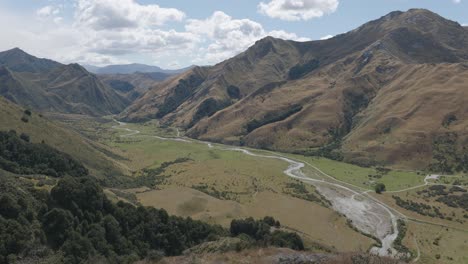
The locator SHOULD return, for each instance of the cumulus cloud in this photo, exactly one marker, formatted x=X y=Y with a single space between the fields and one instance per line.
x=294 y=10
x=139 y=40
x=122 y=27
x=228 y=36
x=101 y=32
x=116 y=14
x=47 y=11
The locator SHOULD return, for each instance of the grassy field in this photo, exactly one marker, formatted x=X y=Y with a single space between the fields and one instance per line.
x=363 y=177
x=217 y=185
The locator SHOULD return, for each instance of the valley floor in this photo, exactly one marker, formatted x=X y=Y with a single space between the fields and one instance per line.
x=217 y=183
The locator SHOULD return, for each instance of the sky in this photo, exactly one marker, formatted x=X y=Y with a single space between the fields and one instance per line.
x=178 y=33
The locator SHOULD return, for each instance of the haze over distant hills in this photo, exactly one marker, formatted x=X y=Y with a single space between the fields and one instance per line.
x=391 y=92
x=131 y=68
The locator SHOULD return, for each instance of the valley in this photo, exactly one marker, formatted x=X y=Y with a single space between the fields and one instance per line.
x=349 y=149
x=215 y=182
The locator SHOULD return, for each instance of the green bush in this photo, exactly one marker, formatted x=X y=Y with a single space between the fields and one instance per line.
x=379 y=188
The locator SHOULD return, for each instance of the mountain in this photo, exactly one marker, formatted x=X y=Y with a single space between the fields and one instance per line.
x=46 y=85
x=131 y=68
x=132 y=86
x=391 y=92
x=20 y=61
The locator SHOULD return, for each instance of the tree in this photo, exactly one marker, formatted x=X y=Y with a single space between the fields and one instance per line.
x=379 y=188
x=57 y=224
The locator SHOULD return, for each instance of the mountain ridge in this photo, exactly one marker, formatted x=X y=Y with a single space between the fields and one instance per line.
x=49 y=86
x=331 y=85
x=20 y=61
x=132 y=68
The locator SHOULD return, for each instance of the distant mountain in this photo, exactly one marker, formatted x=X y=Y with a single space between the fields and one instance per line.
x=49 y=86
x=391 y=92
x=132 y=86
x=131 y=68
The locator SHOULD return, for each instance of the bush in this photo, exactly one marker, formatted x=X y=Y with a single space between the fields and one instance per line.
x=286 y=240
x=27 y=112
x=259 y=230
x=25 y=137
x=379 y=188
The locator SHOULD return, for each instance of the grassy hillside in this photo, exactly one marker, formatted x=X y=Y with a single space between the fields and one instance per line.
x=40 y=129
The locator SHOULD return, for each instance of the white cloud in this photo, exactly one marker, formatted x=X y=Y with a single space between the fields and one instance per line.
x=102 y=32
x=47 y=11
x=465 y=25
x=326 y=37
x=227 y=36
x=138 y=40
x=294 y=10
x=457 y=1
x=117 y=14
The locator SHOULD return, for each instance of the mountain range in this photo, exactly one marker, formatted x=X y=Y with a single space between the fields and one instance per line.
x=391 y=92
x=49 y=86
x=131 y=68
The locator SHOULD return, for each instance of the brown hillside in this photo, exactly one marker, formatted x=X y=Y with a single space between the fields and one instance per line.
x=392 y=91
x=49 y=86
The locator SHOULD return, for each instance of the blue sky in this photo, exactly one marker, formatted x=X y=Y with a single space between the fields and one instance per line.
x=178 y=33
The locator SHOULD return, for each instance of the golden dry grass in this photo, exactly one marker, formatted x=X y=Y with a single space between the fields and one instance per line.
x=314 y=222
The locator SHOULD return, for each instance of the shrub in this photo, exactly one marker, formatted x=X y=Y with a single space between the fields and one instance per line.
x=379 y=188
x=25 y=137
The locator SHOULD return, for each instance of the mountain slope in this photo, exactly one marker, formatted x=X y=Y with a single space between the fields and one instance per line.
x=39 y=129
x=46 y=85
x=366 y=96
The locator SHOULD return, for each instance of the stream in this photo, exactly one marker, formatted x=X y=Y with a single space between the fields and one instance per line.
x=366 y=213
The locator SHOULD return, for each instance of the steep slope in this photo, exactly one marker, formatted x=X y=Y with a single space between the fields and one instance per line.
x=39 y=128
x=84 y=91
x=367 y=96
x=214 y=88
x=46 y=85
